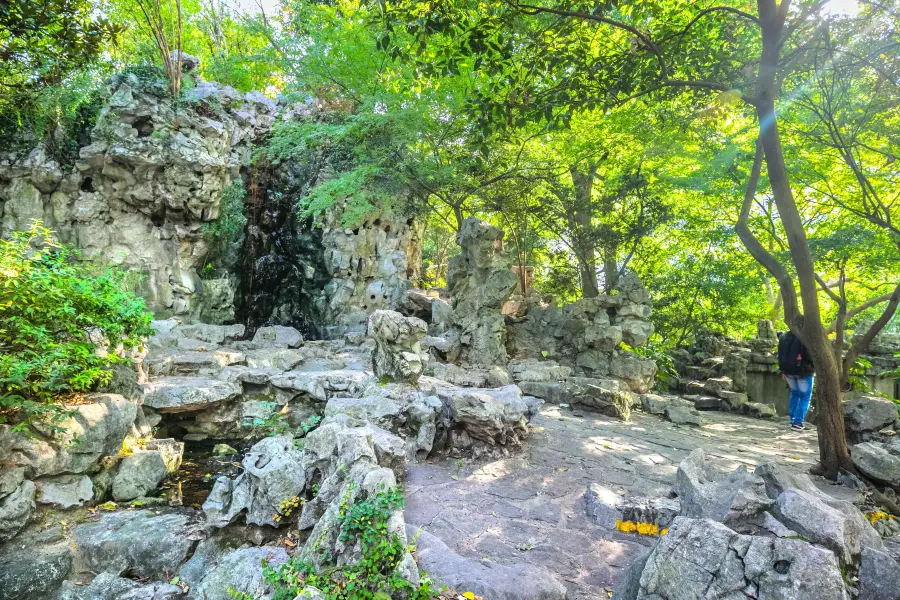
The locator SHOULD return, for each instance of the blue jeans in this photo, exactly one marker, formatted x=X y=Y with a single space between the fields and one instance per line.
x=801 y=394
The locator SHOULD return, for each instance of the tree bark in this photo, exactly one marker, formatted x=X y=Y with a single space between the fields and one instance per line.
x=580 y=219
x=833 y=452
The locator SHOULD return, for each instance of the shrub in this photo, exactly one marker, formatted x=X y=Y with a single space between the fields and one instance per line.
x=54 y=313
x=374 y=577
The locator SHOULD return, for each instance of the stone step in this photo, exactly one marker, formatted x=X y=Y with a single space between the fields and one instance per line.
x=185 y=394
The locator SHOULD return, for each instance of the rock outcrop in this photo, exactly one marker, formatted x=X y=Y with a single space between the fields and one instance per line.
x=397 y=355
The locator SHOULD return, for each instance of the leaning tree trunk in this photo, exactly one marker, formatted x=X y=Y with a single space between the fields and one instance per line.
x=581 y=221
x=834 y=454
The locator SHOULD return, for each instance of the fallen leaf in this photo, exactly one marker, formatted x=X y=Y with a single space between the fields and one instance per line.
x=289 y=543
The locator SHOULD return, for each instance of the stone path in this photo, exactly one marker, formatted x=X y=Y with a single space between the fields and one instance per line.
x=530 y=507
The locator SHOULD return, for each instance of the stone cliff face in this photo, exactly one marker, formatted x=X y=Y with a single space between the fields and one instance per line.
x=147 y=189
x=142 y=190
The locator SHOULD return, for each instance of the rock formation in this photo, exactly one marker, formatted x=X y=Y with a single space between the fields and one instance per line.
x=397 y=355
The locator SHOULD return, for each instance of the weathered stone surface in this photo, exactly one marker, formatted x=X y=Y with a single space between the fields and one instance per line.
x=759 y=410
x=238 y=572
x=603 y=395
x=96 y=429
x=608 y=508
x=469 y=375
x=322 y=385
x=486 y=417
x=683 y=415
x=170 y=450
x=707 y=403
x=732 y=400
x=277 y=359
x=700 y=559
x=532 y=369
x=65 y=491
x=16 y=509
x=107 y=586
x=185 y=394
x=138 y=542
x=879 y=576
x=734 y=500
x=397 y=353
x=138 y=475
x=714 y=385
x=868 y=414
x=273 y=472
x=486 y=579
x=635 y=370
x=878 y=460
x=480 y=281
x=278 y=336
x=33 y=566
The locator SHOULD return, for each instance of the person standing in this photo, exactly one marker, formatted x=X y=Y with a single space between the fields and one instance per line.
x=797 y=370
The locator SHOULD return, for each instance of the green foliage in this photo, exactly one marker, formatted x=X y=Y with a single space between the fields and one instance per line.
x=857 y=378
x=666 y=372
x=55 y=312
x=374 y=576
x=225 y=235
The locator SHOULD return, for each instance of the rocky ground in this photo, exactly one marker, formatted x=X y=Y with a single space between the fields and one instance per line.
x=530 y=508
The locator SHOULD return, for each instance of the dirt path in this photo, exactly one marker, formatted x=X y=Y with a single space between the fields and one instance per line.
x=530 y=507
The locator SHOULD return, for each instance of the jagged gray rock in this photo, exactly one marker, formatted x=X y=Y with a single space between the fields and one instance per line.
x=734 y=500
x=185 y=394
x=65 y=491
x=16 y=509
x=868 y=414
x=880 y=461
x=107 y=586
x=879 y=576
x=278 y=336
x=138 y=475
x=397 y=353
x=701 y=558
x=139 y=542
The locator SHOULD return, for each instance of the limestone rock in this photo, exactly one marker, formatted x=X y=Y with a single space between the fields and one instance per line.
x=738 y=498
x=486 y=417
x=714 y=385
x=65 y=491
x=683 y=415
x=732 y=400
x=487 y=579
x=322 y=385
x=879 y=576
x=185 y=394
x=397 y=353
x=33 y=566
x=107 y=586
x=138 y=475
x=170 y=450
x=138 y=542
x=480 y=280
x=878 y=460
x=868 y=414
x=701 y=558
x=273 y=473
x=603 y=395
x=15 y=509
x=278 y=336
x=238 y=572
x=635 y=370
x=470 y=376
x=537 y=370
x=759 y=410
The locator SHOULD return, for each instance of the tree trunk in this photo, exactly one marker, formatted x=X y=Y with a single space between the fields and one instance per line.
x=834 y=454
x=610 y=269
x=581 y=223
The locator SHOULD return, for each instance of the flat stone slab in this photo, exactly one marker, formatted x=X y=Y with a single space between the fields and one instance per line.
x=185 y=394
x=531 y=508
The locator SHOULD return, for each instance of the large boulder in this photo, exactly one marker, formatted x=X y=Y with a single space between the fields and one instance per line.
x=140 y=543
x=603 y=395
x=138 y=475
x=238 y=572
x=186 y=394
x=700 y=559
x=16 y=507
x=532 y=369
x=866 y=415
x=94 y=430
x=880 y=461
x=33 y=566
x=734 y=500
x=485 y=420
x=879 y=576
x=278 y=336
x=65 y=491
x=273 y=473
x=397 y=355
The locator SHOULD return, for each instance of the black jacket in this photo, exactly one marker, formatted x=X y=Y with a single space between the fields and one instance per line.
x=793 y=359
